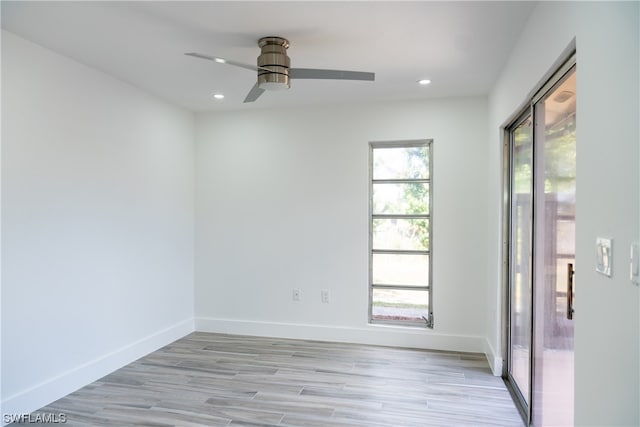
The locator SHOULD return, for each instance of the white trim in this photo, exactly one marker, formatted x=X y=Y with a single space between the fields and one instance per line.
x=495 y=361
x=54 y=388
x=383 y=335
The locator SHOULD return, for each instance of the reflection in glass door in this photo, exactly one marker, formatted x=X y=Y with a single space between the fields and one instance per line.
x=554 y=254
x=542 y=188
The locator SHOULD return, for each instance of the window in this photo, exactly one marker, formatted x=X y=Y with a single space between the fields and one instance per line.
x=400 y=233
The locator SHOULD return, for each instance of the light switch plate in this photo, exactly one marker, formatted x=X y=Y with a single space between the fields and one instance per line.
x=604 y=255
x=634 y=263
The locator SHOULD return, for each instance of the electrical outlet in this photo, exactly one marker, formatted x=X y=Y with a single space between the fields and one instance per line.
x=296 y=294
x=324 y=295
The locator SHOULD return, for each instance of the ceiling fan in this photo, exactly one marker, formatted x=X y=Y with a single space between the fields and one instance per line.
x=274 y=72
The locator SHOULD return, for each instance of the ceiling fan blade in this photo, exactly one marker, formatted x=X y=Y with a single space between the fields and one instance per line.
x=226 y=61
x=312 y=73
x=253 y=94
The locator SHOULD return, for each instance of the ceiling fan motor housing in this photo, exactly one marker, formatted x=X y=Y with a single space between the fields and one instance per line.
x=274 y=57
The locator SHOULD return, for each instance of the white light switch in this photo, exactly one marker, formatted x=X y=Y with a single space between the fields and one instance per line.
x=604 y=255
x=634 y=263
x=324 y=295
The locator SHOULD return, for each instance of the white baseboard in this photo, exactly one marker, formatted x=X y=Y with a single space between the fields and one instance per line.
x=368 y=334
x=495 y=361
x=67 y=382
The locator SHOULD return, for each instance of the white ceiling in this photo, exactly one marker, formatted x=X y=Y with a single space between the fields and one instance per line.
x=460 y=46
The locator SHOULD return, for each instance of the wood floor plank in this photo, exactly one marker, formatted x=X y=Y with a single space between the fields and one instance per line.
x=227 y=380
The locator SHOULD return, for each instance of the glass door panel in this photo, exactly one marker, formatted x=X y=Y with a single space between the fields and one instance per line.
x=520 y=257
x=554 y=250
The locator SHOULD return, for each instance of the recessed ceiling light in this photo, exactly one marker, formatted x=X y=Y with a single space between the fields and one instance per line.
x=220 y=60
x=424 y=82
x=218 y=96
x=563 y=96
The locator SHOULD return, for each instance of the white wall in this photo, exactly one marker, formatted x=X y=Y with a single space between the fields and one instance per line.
x=282 y=203
x=97 y=222
x=607 y=312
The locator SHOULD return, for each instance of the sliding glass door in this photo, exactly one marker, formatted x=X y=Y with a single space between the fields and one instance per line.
x=520 y=256
x=542 y=185
x=554 y=254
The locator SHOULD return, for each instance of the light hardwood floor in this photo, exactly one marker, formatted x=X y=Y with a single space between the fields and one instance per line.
x=226 y=380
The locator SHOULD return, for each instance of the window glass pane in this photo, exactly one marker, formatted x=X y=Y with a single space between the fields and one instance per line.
x=397 y=192
x=403 y=234
x=407 y=270
x=411 y=198
x=406 y=305
x=565 y=236
x=520 y=256
x=401 y=163
x=553 y=248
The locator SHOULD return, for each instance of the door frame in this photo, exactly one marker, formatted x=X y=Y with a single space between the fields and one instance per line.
x=564 y=64
x=524 y=408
